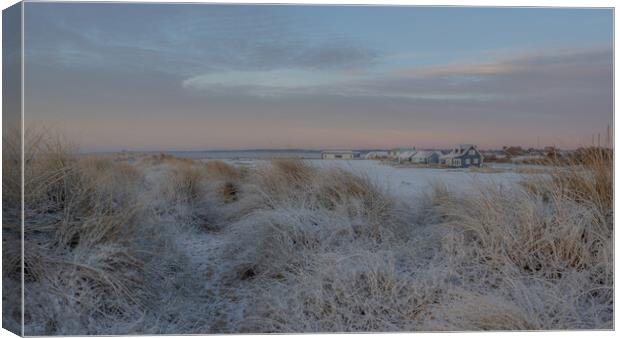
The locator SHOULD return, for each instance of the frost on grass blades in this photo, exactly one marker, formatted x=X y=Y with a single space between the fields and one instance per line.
x=161 y=244
x=206 y=169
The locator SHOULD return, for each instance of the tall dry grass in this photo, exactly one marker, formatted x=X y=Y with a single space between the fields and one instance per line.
x=228 y=179
x=306 y=249
x=220 y=170
x=315 y=253
x=325 y=250
x=295 y=183
x=543 y=253
x=91 y=264
x=186 y=183
x=177 y=190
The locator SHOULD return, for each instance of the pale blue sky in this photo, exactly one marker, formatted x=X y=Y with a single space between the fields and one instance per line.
x=189 y=77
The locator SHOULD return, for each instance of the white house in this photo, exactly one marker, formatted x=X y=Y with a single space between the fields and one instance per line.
x=426 y=157
x=375 y=155
x=395 y=153
x=405 y=156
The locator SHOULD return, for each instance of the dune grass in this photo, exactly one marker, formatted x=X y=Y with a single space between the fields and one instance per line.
x=305 y=249
x=332 y=252
x=220 y=170
x=543 y=253
x=92 y=265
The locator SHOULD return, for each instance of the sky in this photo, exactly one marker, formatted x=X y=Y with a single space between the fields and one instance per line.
x=116 y=76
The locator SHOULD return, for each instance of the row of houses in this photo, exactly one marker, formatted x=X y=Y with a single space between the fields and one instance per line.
x=462 y=156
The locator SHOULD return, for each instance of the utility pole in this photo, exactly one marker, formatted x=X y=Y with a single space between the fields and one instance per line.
x=599 y=140
x=608 y=141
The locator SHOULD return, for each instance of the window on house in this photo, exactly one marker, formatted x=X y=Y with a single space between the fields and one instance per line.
x=475 y=161
x=472 y=152
x=467 y=161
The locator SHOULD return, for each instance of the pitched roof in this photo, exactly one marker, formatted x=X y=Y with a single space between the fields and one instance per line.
x=459 y=151
x=406 y=154
x=424 y=154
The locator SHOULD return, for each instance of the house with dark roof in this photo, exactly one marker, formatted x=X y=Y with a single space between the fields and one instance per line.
x=463 y=156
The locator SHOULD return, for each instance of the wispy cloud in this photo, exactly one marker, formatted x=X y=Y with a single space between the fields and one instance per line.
x=522 y=62
x=482 y=69
x=558 y=72
x=552 y=74
x=268 y=83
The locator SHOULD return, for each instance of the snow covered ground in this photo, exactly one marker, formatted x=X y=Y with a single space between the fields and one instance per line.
x=411 y=181
x=408 y=182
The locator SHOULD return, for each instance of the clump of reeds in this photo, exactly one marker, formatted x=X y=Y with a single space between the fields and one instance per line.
x=297 y=182
x=359 y=196
x=284 y=178
x=227 y=179
x=544 y=241
x=178 y=191
x=186 y=183
x=588 y=179
x=220 y=170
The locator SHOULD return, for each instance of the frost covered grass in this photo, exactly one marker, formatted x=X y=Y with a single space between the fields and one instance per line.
x=329 y=251
x=168 y=245
x=93 y=263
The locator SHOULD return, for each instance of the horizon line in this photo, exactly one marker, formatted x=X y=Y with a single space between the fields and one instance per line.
x=85 y=151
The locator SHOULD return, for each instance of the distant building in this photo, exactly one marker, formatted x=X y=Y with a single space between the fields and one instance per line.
x=376 y=155
x=426 y=157
x=514 y=151
x=394 y=153
x=463 y=156
x=339 y=155
x=495 y=156
x=405 y=156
